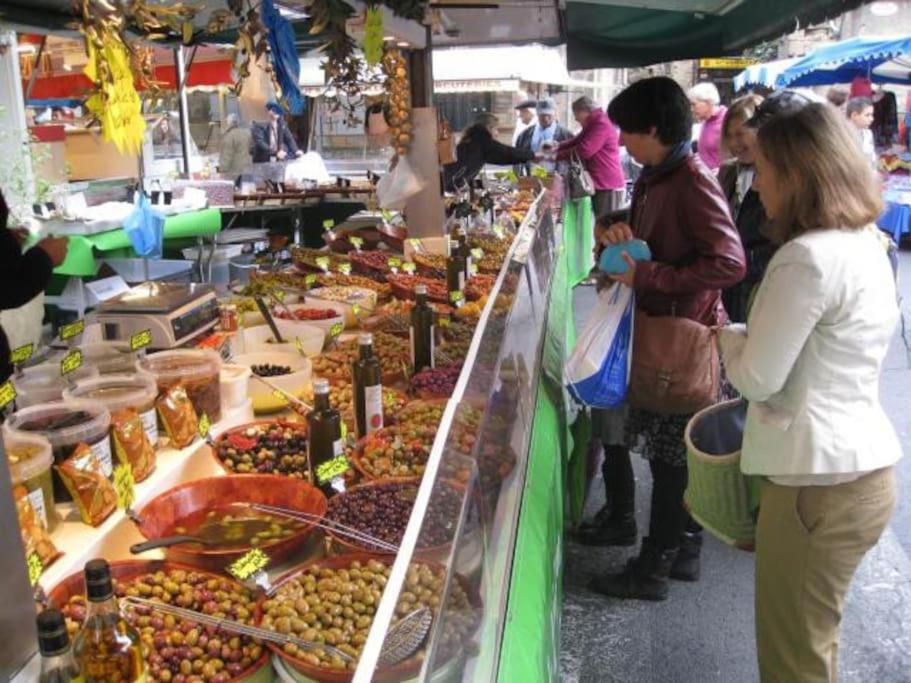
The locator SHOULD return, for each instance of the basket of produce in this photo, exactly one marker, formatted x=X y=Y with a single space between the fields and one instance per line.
x=430 y=265
x=403 y=287
x=395 y=317
x=359 y=578
x=395 y=453
x=220 y=512
x=341 y=398
x=335 y=366
x=176 y=645
x=372 y=264
x=349 y=297
x=437 y=382
x=264 y=447
x=263 y=283
x=287 y=371
x=383 y=291
x=316 y=260
x=479 y=286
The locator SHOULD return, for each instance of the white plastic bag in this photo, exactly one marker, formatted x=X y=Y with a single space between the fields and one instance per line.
x=394 y=188
x=597 y=372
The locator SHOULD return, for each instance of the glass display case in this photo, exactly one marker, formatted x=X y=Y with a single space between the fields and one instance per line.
x=482 y=451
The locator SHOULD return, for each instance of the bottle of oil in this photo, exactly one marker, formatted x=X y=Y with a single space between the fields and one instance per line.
x=57 y=663
x=325 y=447
x=455 y=273
x=367 y=384
x=107 y=648
x=421 y=331
x=459 y=233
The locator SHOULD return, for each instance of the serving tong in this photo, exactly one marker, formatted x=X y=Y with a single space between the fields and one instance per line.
x=337 y=527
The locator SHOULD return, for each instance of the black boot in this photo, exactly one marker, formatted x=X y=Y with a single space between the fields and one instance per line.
x=615 y=522
x=686 y=566
x=644 y=578
x=616 y=530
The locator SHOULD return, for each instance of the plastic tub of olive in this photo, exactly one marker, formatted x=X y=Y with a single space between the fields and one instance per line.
x=718 y=495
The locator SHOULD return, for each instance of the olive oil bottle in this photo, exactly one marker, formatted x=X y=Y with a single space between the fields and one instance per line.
x=325 y=447
x=421 y=331
x=455 y=273
x=107 y=648
x=367 y=383
x=57 y=663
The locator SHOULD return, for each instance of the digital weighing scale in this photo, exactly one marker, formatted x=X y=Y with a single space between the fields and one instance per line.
x=174 y=313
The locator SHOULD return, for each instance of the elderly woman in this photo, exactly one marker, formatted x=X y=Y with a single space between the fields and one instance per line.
x=478 y=147
x=679 y=210
x=708 y=110
x=809 y=362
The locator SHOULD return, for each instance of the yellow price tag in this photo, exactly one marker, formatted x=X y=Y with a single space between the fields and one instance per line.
x=344 y=431
x=35 y=568
x=328 y=224
x=246 y=566
x=456 y=297
x=336 y=329
x=498 y=231
x=416 y=243
x=395 y=262
x=279 y=294
x=331 y=469
x=356 y=309
x=322 y=262
x=123 y=485
x=444 y=322
x=22 y=354
x=204 y=425
x=358 y=242
x=72 y=330
x=70 y=362
x=408 y=267
x=344 y=268
x=140 y=340
x=7 y=393
x=477 y=254
x=310 y=280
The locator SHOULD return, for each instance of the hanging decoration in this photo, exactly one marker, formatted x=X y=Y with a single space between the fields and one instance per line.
x=373 y=35
x=398 y=94
x=285 y=62
x=252 y=40
x=115 y=102
x=408 y=9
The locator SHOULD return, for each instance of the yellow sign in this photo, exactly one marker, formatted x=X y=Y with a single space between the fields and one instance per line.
x=344 y=268
x=328 y=224
x=408 y=267
x=726 y=63
x=71 y=330
x=395 y=262
x=336 y=329
x=123 y=485
x=140 y=340
x=7 y=393
x=331 y=469
x=22 y=354
x=358 y=242
x=477 y=254
x=322 y=262
x=70 y=362
x=115 y=102
x=310 y=280
x=249 y=564
x=204 y=425
x=498 y=231
x=35 y=568
x=416 y=243
x=456 y=297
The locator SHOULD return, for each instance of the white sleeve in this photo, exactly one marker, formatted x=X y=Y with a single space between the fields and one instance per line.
x=788 y=305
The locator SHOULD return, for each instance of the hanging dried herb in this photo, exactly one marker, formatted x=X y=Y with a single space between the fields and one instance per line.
x=252 y=41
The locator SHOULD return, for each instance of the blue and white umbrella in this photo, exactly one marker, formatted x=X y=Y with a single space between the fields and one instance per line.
x=882 y=60
x=762 y=74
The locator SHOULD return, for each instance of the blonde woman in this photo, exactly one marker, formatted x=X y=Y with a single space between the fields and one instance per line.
x=809 y=361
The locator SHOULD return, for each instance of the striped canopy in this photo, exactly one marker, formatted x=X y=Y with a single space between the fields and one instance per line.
x=762 y=74
x=882 y=60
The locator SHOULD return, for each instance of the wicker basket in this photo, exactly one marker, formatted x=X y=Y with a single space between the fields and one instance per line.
x=718 y=494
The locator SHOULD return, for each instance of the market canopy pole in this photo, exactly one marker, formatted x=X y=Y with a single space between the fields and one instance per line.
x=182 y=108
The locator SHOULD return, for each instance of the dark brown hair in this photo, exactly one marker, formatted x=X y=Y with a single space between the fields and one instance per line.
x=824 y=178
x=743 y=109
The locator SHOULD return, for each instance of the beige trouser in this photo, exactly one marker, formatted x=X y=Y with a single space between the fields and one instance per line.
x=809 y=542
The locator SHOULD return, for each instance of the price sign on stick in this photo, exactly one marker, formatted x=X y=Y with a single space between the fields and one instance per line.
x=249 y=564
x=322 y=262
x=328 y=224
x=140 y=340
x=7 y=393
x=35 y=568
x=124 y=486
x=344 y=268
x=71 y=362
x=72 y=330
x=22 y=354
x=310 y=280
x=204 y=426
x=408 y=267
x=331 y=469
x=457 y=298
x=358 y=242
x=417 y=244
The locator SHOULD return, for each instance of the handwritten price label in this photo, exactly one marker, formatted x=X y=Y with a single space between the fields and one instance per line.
x=477 y=254
x=417 y=244
x=328 y=224
x=386 y=214
x=457 y=298
x=124 y=486
x=247 y=565
x=408 y=267
x=336 y=330
x=322 y=262
x=22 y=354
x=72 y=330
x=331 y=469
x=35 y=568
x=204 y=426
x=140 y=340
x=444 y=322
x=344 y=268
x=71 y=362
x=344 y=431
x=7 y=393
x=310 y=280
x=358 y=242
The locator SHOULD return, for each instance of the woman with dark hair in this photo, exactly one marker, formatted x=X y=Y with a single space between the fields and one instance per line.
x=679 y=210
x=478 y=147
x=809 y=363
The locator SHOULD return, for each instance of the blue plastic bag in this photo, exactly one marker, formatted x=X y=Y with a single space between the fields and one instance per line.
x=145 y=228
x=597 y=372
x=612 y=262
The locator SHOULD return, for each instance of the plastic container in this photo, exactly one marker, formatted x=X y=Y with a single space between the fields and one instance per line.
x=110 y=357
x=260 y=338
x=66 y=424
x=30 y=458
x=295 y=382
x=234 y=382
x=118 y=392
x=43 y=383
x=197 y=369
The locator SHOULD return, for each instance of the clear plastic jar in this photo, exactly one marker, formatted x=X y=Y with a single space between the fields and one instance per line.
x=110 y=357
x=118 y=392
x=30 y=458
x=197 y=369
x=44 y=383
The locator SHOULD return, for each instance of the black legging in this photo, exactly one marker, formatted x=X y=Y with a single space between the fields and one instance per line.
x=619 y=481
x=669 y=519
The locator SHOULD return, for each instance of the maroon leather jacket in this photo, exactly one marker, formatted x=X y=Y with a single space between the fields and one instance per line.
x=696 y=252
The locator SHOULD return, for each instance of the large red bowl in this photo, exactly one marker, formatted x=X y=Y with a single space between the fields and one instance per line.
x=162 y=513
x=74 y=585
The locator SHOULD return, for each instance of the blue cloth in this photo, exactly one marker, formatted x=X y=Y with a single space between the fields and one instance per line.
x=283 y=53
x=895 y=220
x=541 y=135
x=882 y=60
x=145 y=228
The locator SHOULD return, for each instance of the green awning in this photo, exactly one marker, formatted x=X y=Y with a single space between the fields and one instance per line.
x=617 y=33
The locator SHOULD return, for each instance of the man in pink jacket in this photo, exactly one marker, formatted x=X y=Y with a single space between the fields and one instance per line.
x=598 y=147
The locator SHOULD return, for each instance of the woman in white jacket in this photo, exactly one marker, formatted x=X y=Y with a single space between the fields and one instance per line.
x=808 y=360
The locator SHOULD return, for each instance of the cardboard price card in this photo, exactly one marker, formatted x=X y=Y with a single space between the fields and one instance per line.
x=7 y=393
x=22 y=354
x=331 y=469
x=204 y=425
x=72 y=330
x=35 y=568
x=140 y=340
x=70 y=362
x=247 y=565
x=124 y=486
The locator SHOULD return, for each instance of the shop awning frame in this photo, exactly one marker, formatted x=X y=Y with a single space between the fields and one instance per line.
x=882 y=60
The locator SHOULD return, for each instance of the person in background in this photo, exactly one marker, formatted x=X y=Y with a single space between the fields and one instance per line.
x=736 y=179
x=544 y=134
x=809 y=364
x=478 y=147
x=860 y=114
x=679 y=210
x=165 y=136
x=837 y=97
x=272 y=139
x=234 y=158
x=708 y=110
x=25 y=275
x=526 y=118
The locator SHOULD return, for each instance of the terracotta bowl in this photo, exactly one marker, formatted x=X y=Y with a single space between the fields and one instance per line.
x=161 y=514
x=241 y=429
x=74 y=585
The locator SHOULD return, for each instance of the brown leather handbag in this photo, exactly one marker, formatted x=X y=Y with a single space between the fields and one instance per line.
x=675 y=368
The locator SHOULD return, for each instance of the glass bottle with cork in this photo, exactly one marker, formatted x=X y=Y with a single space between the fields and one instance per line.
x=367 y=383
x=459 y=233
x=421 y=331
x=57 y=663
x=107 y=648
x=455 y=273
x=325 y=447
